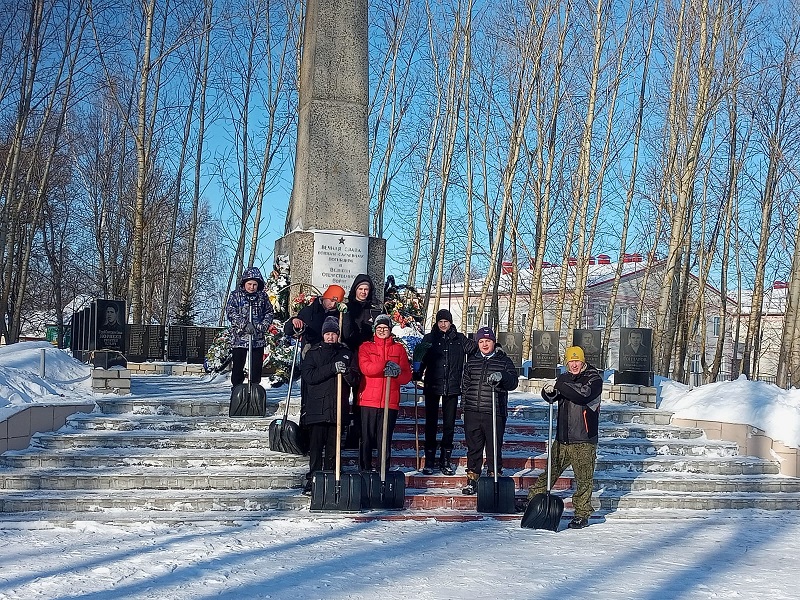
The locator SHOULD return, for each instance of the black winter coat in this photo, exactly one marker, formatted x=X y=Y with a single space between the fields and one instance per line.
x=312 y=316
x=578 y=398
x=357 y=325
x=443 y=363
x=476 y=392
x=318 y=404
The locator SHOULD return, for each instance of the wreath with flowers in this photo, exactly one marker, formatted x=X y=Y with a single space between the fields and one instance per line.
x=404 y=306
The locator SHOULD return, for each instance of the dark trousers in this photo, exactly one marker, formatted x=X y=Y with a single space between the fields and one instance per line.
x=478 y=435
x=449 y=405
x=372 y=436
x=321 y=447
x=240 y=362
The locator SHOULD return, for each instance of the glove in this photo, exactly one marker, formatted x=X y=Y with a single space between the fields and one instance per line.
x=392 y=369
x=416 y=366
x=250 y=329
x=549 y=393
x=494 y=378
x=341 y=307
x=340 y=367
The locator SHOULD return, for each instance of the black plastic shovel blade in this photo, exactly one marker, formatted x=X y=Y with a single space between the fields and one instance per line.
x=287 y=436
x=387 y=495
x=496 y=498
x=248 y=401
x=331 y=495
x=543 y=512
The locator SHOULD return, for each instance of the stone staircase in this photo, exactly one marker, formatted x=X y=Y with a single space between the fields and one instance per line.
x=175 y=455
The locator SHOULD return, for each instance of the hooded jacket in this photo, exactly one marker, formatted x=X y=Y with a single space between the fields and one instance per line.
x=443 y=363
x=476 y=391
x=357 y=323
x=312 y=316
x=318 y=403
x=372 y=359
x=238 y=310
x=578 y=398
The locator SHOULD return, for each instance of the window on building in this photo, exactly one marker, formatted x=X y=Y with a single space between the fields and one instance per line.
x=471 y=312
x=716 y=324
x=624 y=316
x=600 y=315
x=695 y=364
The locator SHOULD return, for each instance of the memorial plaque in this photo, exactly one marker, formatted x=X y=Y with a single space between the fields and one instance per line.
x=194 y=345
x=512 y=345
x=338 y=258
x=635 y=349
x=545 y=349
x=110 y=317
x=190 y=343
x=176 y=343
x=145 y=342
x=589 y=341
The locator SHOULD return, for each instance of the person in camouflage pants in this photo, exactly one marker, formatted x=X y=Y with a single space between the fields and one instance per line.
x=577 y=392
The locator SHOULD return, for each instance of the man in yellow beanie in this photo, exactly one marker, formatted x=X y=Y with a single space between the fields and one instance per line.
x=577 y=392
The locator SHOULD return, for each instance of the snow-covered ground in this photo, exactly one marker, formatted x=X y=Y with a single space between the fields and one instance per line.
x=729 y=554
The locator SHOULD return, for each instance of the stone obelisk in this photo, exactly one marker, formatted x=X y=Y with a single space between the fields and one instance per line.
x=327 y=224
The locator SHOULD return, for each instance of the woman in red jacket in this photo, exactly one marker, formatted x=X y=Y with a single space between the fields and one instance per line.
x=378 y=360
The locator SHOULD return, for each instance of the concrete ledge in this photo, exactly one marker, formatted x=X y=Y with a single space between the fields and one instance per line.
x=752 y=441
x=16 y=430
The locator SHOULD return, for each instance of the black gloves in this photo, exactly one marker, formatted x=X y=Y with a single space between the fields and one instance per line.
x=250 y=329
x=340 y=367
x=494 y=378
x=392 y=369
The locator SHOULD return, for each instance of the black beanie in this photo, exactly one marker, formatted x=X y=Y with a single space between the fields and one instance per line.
x=444 y=314
x=330 y=324
x=382 y=320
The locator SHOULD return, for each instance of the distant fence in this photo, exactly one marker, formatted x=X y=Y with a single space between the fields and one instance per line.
x=697 y=379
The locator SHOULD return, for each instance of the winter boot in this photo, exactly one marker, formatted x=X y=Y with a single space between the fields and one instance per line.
x=430 y=459
x=578 y=523
x=445 y=465
x=472 y=484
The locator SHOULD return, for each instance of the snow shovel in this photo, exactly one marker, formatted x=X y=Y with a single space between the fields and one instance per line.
x=334 y=490
x=384 y=490
x=286 y=435
x=248 y=399
x=416 y=424
x=495 y=494
x=544 y=510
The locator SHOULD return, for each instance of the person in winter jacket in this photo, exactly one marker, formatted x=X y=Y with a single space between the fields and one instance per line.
x=440 y=369
x=325 y=367
x=380 y=360
x=361 y=309
x=250 y=313
x=488 y=377
x=308 y=322
x=577 y=392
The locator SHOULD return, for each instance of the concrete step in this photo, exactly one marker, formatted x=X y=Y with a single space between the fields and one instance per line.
x=130 y=478
x=539 y=429
x=151 y=500
x=175 y=436
x=665 y=500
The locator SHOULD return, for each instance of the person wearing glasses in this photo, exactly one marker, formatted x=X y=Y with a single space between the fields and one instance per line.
x=378 y=360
